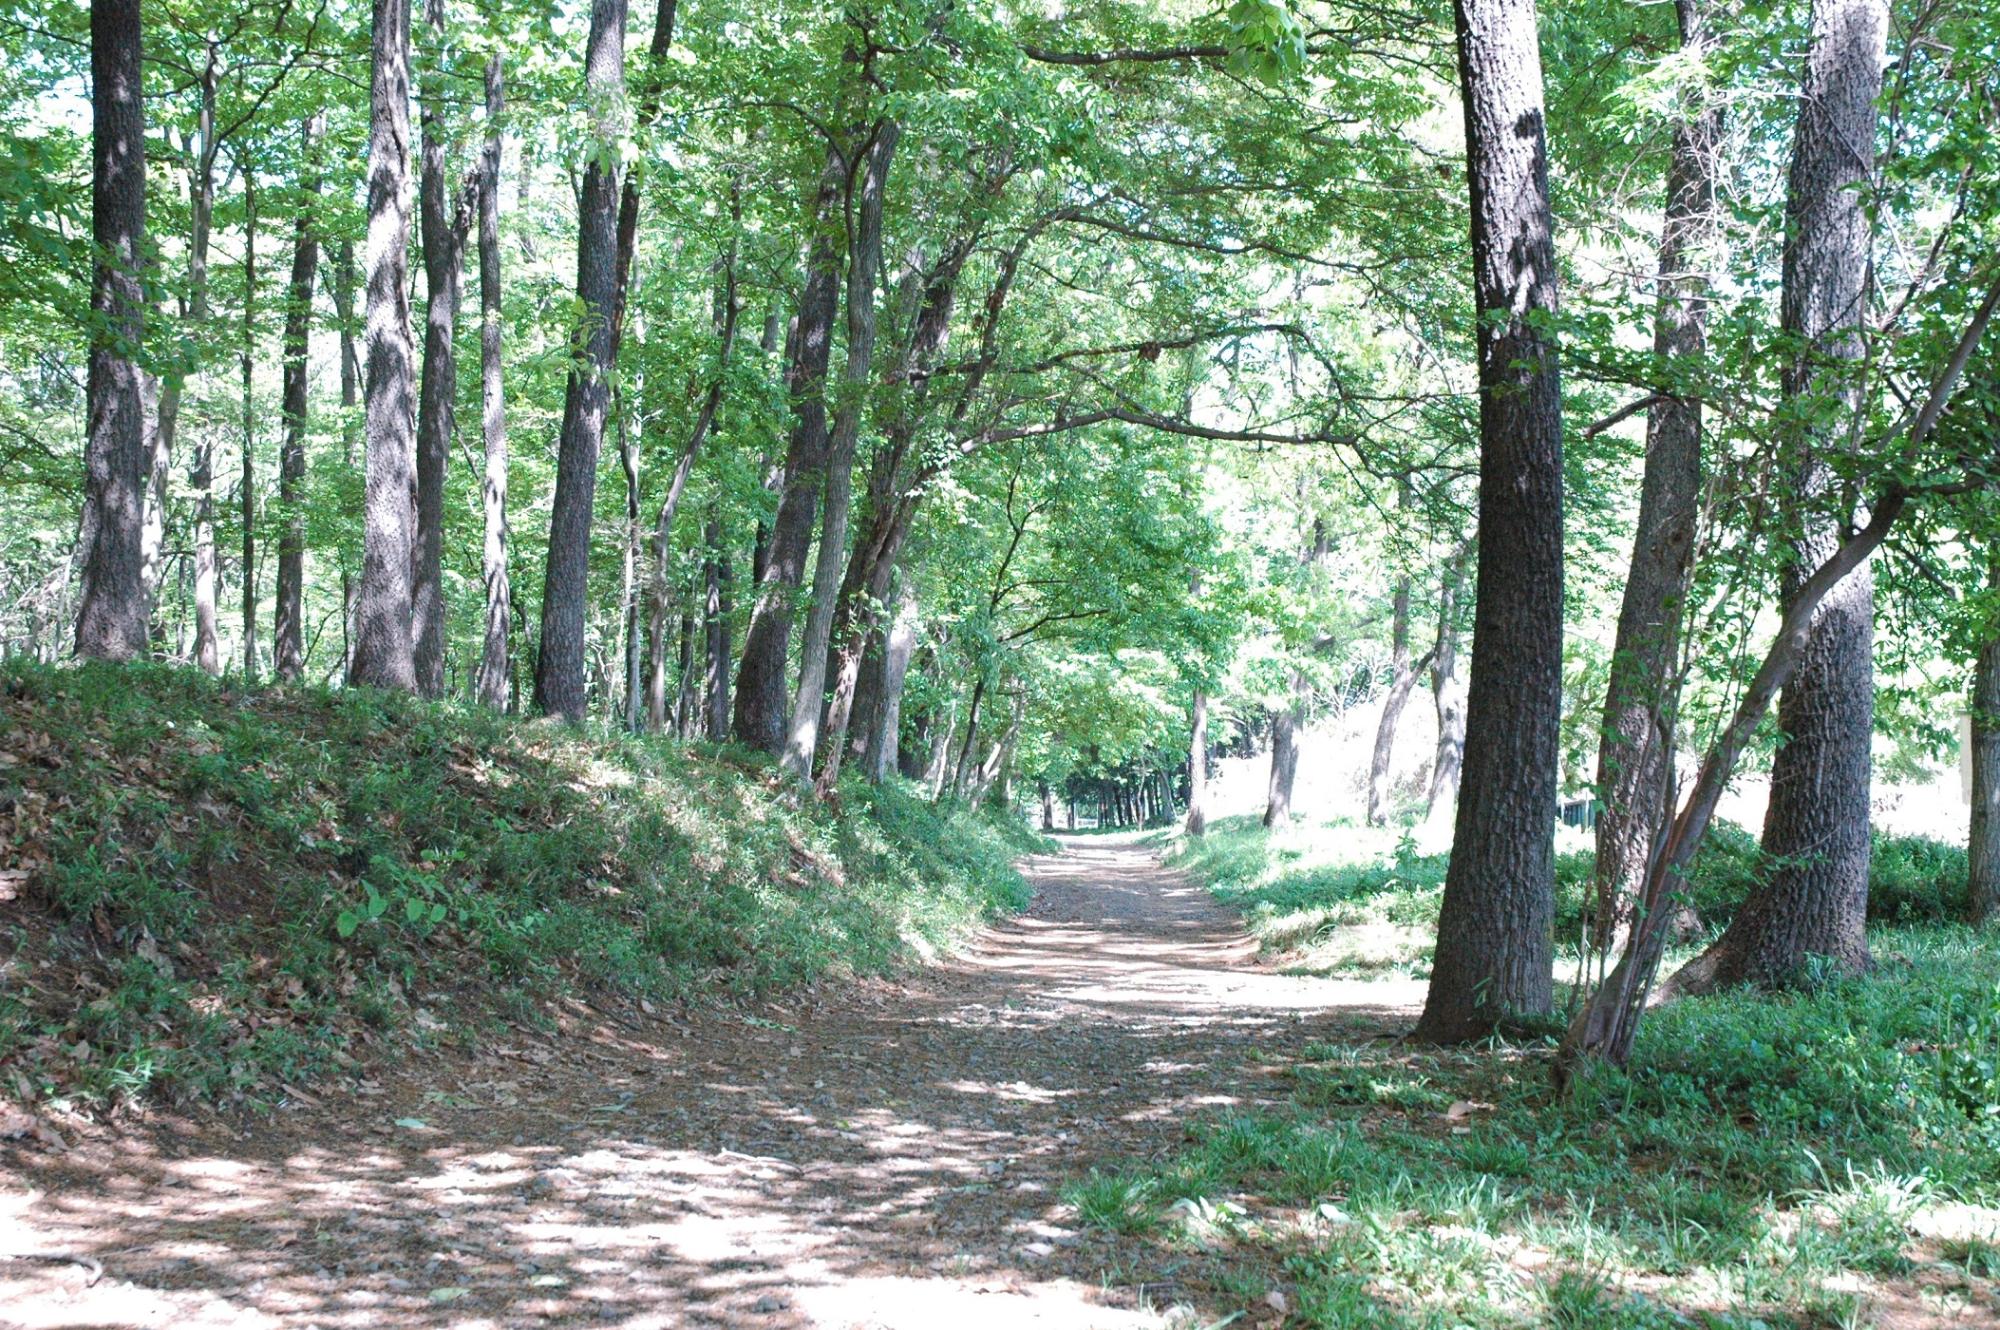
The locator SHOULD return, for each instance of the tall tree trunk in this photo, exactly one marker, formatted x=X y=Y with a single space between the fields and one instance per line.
x=882 y=754
x=715 y=683
x=495 y=659
x=1197 y=814
x=194 y=313
x=1495 y=951
x=384 y=643
x=1402 y=678
x=760 y=680
x=1814 y=899
x=350 y=426
x=864 y=266
x=632 y=709
x=559 y=664
x=1448 y=697
x=1634 y=776
x=1286 y=725
x=288 y=643
x=442 y=233
x=1983 y=844
x=247 y=495
x=687 y=695
x=727 y=308
x=111 y=620
x=1285 y=755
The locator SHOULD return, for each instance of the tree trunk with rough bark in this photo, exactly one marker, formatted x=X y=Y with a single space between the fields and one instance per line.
x=495 y=659
x=560 y=689
x=715 y=681
x=1813 y=901
x=288 y=640
x=1285 y=755
x=1635 y=753
x=112 y=618
x=441 y=226
x=384 y=642
x=761 y=700
x=864 y=266
x=1495 y=950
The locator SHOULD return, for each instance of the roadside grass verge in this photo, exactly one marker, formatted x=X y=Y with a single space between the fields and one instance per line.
x=1828 y=1157
x=207 y=892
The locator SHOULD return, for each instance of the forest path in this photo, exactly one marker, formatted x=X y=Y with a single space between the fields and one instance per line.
x=878 y=1155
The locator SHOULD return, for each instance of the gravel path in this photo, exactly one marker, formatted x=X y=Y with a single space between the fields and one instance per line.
x=876 y=1155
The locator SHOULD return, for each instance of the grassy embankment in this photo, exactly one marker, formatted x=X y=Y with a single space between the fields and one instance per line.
x=206 y=893
x=1826 y=1157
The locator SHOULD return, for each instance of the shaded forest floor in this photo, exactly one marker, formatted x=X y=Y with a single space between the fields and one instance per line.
x=884 y=1154
x=1105 y=1112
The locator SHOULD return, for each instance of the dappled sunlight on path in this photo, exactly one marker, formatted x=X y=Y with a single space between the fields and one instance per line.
x=882 y=1155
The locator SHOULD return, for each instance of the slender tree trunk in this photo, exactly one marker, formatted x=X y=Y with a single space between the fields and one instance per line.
x=384 y=645
x=715 y=682
x=495 y=659
x=1197 y=814
x=1448 y=697
x=1403 y=677
x=442 y=236
x=112 y=618
x=350 y=427
x=633 y=708
x=939 y=767
x=760 y=680
x=1495 y=951
x=288 y=643
x=559 y=664
x=1285 y=755
x=247 y=497
x=727 y=308
x=194 y=313
x=1983 y=845
x=882 y=754
x=688 y=693
x=864 y=267
x=1814 y=899
x=1634 y=777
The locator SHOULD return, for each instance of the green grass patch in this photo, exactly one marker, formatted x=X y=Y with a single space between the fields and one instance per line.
x=1765 y=1161
x=205 y=891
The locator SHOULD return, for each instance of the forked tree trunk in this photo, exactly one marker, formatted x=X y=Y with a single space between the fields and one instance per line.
x=1813 y=901
x=288 y=640
x=1634 y=778
x=112 y=619
x=1494 y=947
x=495 y=659
x=560 y=688
x=761 y=700
x=384 y=645
x=864 y=266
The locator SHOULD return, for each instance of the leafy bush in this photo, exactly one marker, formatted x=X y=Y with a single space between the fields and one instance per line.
x=211 y=888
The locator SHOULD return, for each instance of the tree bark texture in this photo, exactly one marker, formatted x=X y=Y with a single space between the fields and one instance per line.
x=495 y=658
x=384 y=643
x=113 y=614
x=1983 y=844
x=864 y=266
x=761 y=699
x=1813 y=900
x=288 y=638
x=246 y=496
x=560 y=688
x=1494 y=948
x=1635 y=752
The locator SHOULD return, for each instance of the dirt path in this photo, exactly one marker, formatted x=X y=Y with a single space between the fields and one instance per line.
x=883 y=1155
